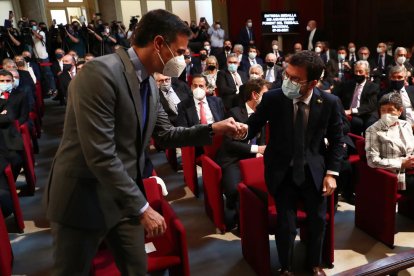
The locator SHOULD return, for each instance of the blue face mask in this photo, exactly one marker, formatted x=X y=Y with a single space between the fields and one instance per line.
x=232 y=67
x=290 y=90
x=6 y=87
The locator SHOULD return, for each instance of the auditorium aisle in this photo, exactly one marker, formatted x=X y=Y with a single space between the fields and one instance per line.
x=209 y=253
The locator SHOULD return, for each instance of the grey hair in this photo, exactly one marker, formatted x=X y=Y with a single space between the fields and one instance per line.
x=397 y=69
x=391 y=98
x=400 y=49
x=232 y=55
x=258 y=66
x=270 y=55
x=238 y=46
x=364 y=63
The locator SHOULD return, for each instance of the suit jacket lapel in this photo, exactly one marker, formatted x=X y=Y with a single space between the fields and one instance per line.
x=152 y=107
x=192 y=113
x=213 y=109
x=315 y=110
x=133 y=84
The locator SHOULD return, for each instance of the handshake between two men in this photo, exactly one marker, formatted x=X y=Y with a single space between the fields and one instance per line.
x=231 y=128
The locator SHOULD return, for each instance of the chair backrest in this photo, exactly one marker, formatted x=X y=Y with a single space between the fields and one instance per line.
x=189 y=168
x=211 y=150
x=152 y=191
x=360 y=146
x=6 y=254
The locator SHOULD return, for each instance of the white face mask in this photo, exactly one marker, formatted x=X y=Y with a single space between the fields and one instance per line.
x=199 y=93
x=175 y=66
x=207 y=47
x=308 y=28
x=352 y=50
x=252 y=55
x=254 y=76
x=318 y=49
x=165 y=87
x=401 y=60
x=291 y=91
x=389 y=119
x=341 y=57
x=249 y=24
x=379 y=50
x=364 y=57
x=275 y=47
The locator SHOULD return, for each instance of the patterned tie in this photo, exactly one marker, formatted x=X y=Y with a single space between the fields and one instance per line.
x=357 y=92
x=203 y=118
x=298 y=175
x=170 y=101
x=269 y=76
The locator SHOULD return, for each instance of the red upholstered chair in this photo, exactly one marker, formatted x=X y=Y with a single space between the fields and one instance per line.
x=171 y=155
x=354 y=158
x=28 y=159
x=189 y=162
x=172 y=251
x=376 y=198
x=6 y=253
x=17 y=211
x=258 y=218
x=40 y=105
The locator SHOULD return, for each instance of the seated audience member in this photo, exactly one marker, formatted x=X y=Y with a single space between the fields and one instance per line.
x=272 y=72
x=364 y=54
x=318 y=48
x=89 y=57
x=222 y=57
x=80 y=64
x=229 y=81
x=200 y=63
x=57 y=65
x=232 y=151
x=327 y=53
x=172 y=92
x=13 y=106
x=68 y=73
x=238 y=50
x=389 y=143
x=190 y=68
x=381 y=62
x=250 y=59
x=32 y=63
x=199 y=109
x=26 y=80
x=276 y=51
x=397 y=76
x=344 y=68
x=211 y=74
x=359 y=97
x=352 y=57
x=329 y=79
x=297 y=47
x=207 y=47
x=20 y=100
x=255 y=72
x=23 y=66
x=400 y=59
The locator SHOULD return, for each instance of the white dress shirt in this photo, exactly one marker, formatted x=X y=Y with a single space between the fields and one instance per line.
x=172 y=99
x=207 y=110
x=409 y=114
x=310 y=45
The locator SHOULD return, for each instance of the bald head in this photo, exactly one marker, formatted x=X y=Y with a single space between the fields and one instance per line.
x=311 y=25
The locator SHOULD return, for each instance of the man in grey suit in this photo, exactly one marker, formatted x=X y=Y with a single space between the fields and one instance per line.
x=95 y=187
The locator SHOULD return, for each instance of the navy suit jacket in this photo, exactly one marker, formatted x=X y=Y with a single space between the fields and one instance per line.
x=227 y=88
x=187 y=112
x=324 y=121
x=245 y=63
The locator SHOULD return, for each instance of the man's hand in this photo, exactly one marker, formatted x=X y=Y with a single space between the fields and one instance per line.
x=4 y=112
x=262 y=149
x=154 y=224
x=329 y=185
x=228 y=127
x=348 y=112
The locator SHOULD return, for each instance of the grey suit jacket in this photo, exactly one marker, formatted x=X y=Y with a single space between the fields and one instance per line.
x=92 y=182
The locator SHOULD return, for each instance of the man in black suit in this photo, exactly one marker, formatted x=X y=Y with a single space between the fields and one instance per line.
x=381 y=62
x=199 y=109
x=272 y=72
x=172 y=92
x=231 y=151
x=94 y=190
x=359 y=97
x=400 y=59
x=57 y=64
x=250 y=59
x=328 y=53
x=246 y=35
x=229 y=81
x=279 y=54
x=397 y=76
x=298 y=163
x=68 y=73
x=222 y=57
x=364 y=54
x=315 y=35
x=192 y=66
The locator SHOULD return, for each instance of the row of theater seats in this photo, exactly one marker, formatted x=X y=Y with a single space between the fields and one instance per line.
x=375 y=189
x=30 y=134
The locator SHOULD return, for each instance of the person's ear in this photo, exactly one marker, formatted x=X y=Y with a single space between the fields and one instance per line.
x=158 y=42
x=313 y=83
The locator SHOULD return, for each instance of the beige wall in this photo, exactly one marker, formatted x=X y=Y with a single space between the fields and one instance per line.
x=108 y=10
x=33 y=9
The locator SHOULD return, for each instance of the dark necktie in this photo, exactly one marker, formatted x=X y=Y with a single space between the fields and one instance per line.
x=144 y=89
x=380 y=63
x=298 y=175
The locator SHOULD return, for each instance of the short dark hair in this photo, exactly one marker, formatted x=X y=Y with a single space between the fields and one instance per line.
x=252 y=47
x=309 y=60
x=254 y=85
x=159 y=22
x=341 y=48
x=200 y=76
x=391 y=98
x=6 y=73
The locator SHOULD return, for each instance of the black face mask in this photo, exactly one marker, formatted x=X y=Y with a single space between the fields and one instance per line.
x=211 y=67
x=186 y=56
x=27 y=59
x=227 y=48
x=397 y=84
x=359 y=78
x=203 y=57
x=59 y=56
x=67 y=67
x=270 y=64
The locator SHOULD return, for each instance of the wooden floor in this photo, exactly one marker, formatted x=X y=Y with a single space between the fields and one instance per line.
x=210 y=253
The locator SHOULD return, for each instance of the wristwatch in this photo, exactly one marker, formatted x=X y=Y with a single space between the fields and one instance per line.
x=210 y=129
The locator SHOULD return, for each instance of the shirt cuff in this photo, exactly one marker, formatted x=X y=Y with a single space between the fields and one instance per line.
x=143 y=209
x=332 y=173
x=354 y=110
x=254 y=149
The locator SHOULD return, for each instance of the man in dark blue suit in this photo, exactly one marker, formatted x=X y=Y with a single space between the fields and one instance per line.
x=298 y=162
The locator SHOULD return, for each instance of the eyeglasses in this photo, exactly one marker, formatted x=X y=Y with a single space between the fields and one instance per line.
x=295 y=81
x=168 y=80
x=6 y=81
